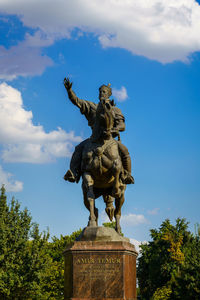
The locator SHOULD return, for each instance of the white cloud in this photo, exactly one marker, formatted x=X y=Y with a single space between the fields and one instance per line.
x=25 y=59
x=165 y=30
x=133 y=219
x=153 y=212
x=121 y=95
x=127 y=220
x=23 y=141
x=103 y=218
x=137 y=244
x=10 y=184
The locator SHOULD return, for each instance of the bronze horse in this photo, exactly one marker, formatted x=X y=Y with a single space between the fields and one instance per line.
x=101 y=168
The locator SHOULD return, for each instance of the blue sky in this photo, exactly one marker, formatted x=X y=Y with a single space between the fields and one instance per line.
x=149 y=52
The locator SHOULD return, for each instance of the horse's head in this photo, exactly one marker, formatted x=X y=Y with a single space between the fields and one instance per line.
x=105 y=117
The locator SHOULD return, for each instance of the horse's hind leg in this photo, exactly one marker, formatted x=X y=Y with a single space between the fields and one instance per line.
x=89 y=199
x=109 y=206
x=118 y=204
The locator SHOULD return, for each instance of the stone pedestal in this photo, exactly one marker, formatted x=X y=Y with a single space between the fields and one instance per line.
x=102 y=268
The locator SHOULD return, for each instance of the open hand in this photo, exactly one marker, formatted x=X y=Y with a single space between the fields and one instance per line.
x=67 y=84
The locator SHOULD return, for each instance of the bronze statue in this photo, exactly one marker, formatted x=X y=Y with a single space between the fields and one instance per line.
x=102 y=161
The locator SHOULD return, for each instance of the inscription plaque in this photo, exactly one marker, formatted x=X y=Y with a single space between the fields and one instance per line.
x=102 y=272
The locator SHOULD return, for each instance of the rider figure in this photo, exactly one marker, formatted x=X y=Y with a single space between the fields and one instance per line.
x=88 y=109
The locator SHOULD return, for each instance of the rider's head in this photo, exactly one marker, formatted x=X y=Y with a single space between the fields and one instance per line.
x=105 y=92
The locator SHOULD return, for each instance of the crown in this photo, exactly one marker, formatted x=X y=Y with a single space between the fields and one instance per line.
x=108 y=87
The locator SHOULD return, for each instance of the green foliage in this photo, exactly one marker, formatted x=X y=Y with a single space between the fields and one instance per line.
x=110 y=224
x=31 y=267
x=22 y=257
x=54 y=279
x=187 y=283
x=169 y=267
x=162 y=293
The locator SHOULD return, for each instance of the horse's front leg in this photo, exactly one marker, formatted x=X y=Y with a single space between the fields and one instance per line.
x=89 y=198
x=116 y=170
x=118 y=204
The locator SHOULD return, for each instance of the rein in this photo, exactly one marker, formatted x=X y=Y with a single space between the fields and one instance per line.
x=99 y=151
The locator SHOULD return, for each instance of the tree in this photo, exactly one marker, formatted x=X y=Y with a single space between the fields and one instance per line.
x=22 y=252
x=169 y=265
x=31 y=267
x=53 y=282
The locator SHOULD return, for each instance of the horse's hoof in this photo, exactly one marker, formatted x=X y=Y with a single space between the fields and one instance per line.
x=110 y=212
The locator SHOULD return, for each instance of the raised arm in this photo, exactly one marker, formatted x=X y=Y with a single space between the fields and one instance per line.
x=87 y=108
x=72 y=96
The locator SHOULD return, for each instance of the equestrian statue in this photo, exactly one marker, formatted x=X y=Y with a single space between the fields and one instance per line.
x=102 y=161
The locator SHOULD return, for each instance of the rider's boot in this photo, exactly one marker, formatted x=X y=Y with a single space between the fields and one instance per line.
x=74 y=173
x=69 y=176
x=72 y=176
x=127 y=178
